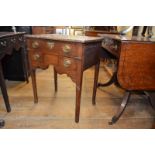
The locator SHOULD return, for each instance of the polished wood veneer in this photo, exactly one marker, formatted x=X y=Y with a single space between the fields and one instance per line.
x=136 y=62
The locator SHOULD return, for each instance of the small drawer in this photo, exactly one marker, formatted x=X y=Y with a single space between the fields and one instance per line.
x=68 y=64
x=35 y=59
x=71 y=49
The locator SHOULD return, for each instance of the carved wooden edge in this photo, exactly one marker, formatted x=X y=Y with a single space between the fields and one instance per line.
x=60 y=70
x=9 y=43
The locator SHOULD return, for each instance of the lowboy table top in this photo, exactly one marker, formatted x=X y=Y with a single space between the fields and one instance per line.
x=70 y=38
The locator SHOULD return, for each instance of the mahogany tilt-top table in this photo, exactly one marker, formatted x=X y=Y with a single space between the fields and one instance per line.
x=135 y=68
x=68 y=54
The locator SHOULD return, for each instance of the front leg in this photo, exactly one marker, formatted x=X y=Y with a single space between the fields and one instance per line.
x=95 y=82
x=4 y=90
x=34 y=85
x=55 y=79
x=78 y=96
x=25 y=63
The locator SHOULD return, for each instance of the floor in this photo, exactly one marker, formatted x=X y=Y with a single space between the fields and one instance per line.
x=56 y=110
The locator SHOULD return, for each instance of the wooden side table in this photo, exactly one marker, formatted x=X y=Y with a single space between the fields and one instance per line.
x=68 y=54
x=8 y=42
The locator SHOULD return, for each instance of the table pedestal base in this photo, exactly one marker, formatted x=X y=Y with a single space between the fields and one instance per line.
x=149 y=95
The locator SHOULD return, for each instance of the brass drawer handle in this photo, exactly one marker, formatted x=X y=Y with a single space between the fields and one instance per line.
x=36 y=57
x=35 y=44
x=50 y=45
x=66 y=49
x=67 y=63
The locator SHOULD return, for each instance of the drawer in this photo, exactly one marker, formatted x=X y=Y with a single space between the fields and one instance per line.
x=71 y=50
x=56 y=47
x=36 y=59
x=68 y=64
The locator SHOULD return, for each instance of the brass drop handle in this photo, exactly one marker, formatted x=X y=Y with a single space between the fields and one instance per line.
x=67 y=63
x=35 y=44
x=36 y=57
x=50 y=45
x=66 y=49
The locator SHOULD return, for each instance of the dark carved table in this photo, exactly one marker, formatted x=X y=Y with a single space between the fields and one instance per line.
x=135 y=69
x=8 y=42
x=68 y=54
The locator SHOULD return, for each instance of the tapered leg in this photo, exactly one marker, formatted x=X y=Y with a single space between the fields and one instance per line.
x=78 y=97
x=55 y=80
x=95 y=83
x=34 y=85
x=4 y=91
x=121 y=108
x=25 y=64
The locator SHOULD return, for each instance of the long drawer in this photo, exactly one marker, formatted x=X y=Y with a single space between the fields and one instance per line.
x=55 y=47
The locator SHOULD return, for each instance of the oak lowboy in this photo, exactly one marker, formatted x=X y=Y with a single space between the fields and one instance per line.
x=68 y=54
